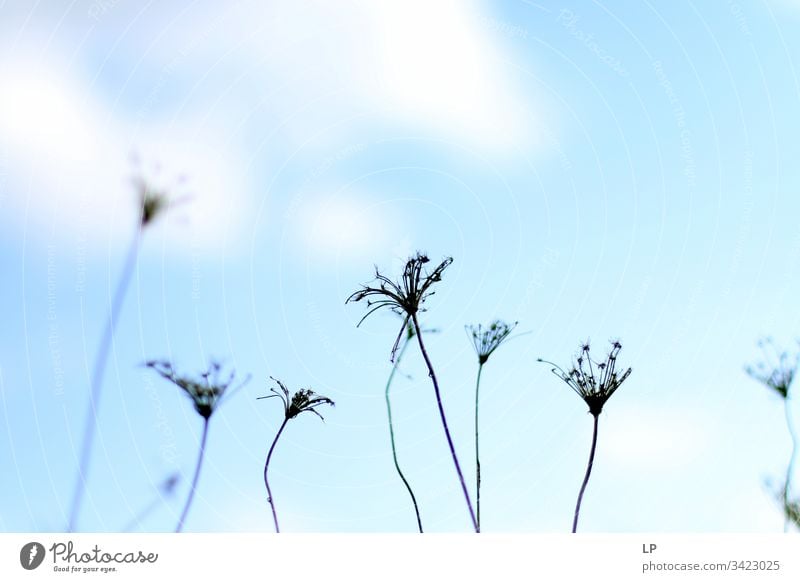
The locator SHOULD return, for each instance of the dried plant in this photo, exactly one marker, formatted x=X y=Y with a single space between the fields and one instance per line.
x=152 y=203
x=791 y=510
x=406 y=298
x=777 y=371
x=207 y=392
x=595 y=382
x=304 y=400
x=486 y=341
x=410 y=333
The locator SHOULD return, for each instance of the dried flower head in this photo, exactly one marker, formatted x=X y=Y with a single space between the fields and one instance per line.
x=156 y=194
x=169 y=484
x=593 y=381
x=206 y=391
x=776 y=371
x=405 y=297
x=487 y=340
x=153 y=200
x=304 y=400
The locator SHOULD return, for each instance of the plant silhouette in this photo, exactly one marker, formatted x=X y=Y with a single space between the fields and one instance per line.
x=407 y=298
x=777 y=371
x=206 y=393
x=304 y=400
x=152 y=203
x=485 y=341
x=410 y=333
x=595 y=382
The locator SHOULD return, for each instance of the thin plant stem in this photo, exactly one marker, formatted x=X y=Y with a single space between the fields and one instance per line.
x=266 y=479
x=787 y=487
x=477 y=449
x=200 y=457
x=391 y=434
x=90 y=425
x=588 y=472
x=432 y=375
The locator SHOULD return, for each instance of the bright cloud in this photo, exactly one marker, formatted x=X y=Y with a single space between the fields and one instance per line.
x=342 y=226
x=71 y=163
x=657 y=439
x=433 y=66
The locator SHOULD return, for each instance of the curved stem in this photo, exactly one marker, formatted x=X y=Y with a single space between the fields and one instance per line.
x=266 y=480
x=586 y=478
x=90 y=425
x=787 y=487
x=391 y=434
x=477 y=450
x=200 y=457
x=432 y=374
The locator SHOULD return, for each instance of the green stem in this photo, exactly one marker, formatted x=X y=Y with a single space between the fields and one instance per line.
x=266 y=479
x=477 y=450
x=196 y=477
x=90 y=425
x=432 y=375
x=586 y=478
x=391 y=434
x=787 y=488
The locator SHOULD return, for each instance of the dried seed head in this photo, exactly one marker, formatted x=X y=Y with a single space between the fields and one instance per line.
x=593 y=381
x=156 y=195
x=206 y=392
x=405 y=297
x=777 y=370
x=304 y=400
x=487 y=340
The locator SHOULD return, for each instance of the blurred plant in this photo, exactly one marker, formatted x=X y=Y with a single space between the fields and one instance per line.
x=777 y=371
x=165 y=489
x=406 y=298
x=792 y=511
x=304 y=400
x=789 y=507
x=206 y=393
x=595 y=382
x=152 y=202
x=486 y=341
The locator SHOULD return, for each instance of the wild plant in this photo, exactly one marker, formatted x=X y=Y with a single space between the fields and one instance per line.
x=595 y=382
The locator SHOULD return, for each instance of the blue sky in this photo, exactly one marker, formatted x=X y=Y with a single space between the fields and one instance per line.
x=597 y=170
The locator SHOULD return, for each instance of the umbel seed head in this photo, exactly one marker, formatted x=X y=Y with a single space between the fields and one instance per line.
x=304 y=400
x=206 y=392
x=406 y=296
x=593 y=381
x=487 y=339
x=777 y=370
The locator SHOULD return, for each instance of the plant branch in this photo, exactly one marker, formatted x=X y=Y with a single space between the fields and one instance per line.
x=432 y=375
x=391 y=434
x=477 y=449
x=588 y=473
x=266 y=479
x=200 y=457
x=90 y=425
x=787 y=487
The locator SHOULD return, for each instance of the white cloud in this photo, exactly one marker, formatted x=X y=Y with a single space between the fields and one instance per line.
x=432 y=66
x=342 y=226
x=438 y=64
x=655 y=439
x=69 y=164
